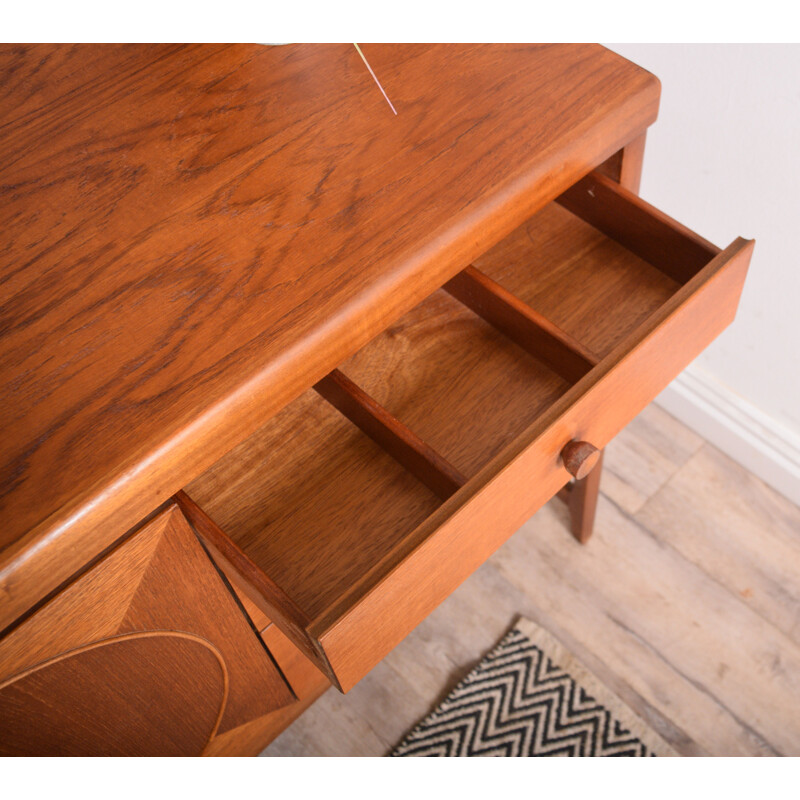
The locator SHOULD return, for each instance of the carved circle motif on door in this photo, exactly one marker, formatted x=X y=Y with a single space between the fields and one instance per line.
x=71 y=705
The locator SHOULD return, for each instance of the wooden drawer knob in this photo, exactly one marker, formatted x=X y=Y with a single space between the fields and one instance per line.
x=579 y=458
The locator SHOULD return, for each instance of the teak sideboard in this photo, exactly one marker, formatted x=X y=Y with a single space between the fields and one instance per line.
x=280 y=369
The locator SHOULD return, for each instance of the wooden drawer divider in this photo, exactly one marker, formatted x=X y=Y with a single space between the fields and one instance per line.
x=533 y=332
x=530 y=330
x=411 y=452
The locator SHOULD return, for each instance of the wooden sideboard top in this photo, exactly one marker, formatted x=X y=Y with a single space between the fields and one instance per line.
x=193 y=235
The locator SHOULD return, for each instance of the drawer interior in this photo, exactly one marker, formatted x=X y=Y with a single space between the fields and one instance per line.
x=443 y=370
x=581 y=280
x=315 y=502
x=329 y=496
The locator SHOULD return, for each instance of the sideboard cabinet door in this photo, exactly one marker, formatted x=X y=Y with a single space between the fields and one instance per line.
x=148 y=653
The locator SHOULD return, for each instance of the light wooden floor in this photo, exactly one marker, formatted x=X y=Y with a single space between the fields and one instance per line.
x=686 y=602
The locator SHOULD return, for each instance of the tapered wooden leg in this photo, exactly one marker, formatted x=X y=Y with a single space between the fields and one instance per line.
x=581 y=499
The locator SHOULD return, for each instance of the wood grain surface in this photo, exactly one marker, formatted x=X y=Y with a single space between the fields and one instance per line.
x=583 y=282
x=313 y=502
x=307 y=682
x=529 y=329
x=118 y=697
x=460 y=384
x=623 y=216
x=193 y=236
x=154 y=637
x=421 y=460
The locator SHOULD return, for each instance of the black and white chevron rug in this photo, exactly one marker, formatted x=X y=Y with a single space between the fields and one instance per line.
x=531 y=697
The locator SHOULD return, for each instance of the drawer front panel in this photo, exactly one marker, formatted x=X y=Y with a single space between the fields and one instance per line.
x=457 y=539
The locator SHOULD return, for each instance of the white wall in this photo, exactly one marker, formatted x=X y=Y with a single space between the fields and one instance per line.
x=724 y=159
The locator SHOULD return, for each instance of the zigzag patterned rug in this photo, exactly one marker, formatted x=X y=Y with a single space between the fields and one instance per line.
x=531 y=697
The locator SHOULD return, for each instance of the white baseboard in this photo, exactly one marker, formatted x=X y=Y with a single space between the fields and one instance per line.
x=765 y=447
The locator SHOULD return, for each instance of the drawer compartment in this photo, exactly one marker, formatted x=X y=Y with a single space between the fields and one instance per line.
x=351 y=514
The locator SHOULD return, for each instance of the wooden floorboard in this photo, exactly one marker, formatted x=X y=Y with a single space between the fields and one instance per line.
x=644 y=456
x=686 y=602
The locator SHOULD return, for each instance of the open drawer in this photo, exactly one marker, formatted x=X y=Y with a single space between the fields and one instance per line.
x=362 y=505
